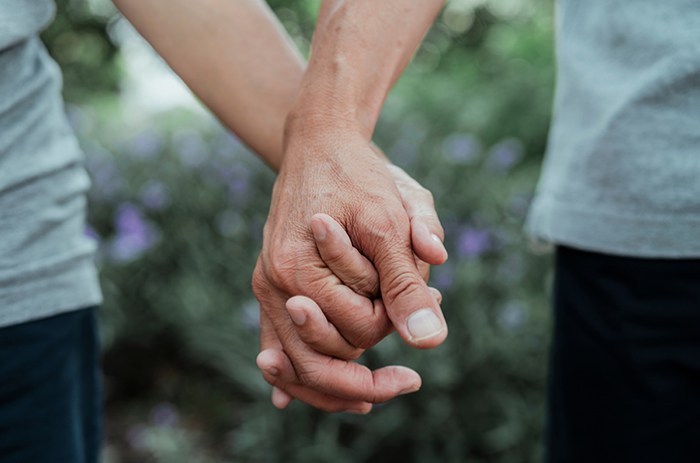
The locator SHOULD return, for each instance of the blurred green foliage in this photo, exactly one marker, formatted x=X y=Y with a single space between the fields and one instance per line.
x=178 y=205
x=78 y=41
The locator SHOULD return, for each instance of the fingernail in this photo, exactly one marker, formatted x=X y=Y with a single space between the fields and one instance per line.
x=318 y=229
x=272 y=371
x=423 y=324
x=298 y=317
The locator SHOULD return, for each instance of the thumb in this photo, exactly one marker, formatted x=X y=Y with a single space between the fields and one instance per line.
x=410 y=305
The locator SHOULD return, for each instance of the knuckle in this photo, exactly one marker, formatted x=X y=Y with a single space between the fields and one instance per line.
x=427 y=195
x=322 y=375
x=259 y=283
x=368 y=332
x=371 y=336
x=391 y=222
x=402 y=284
x=312 y=336
x=310 y=375
x=335 y=258
x=324 y=291
x=379 y=232
x=366 y=285
x=336 y=347
x=353 y=354
x=280 y=270
x=333 y=250
x=383 y=217
x=267 y=229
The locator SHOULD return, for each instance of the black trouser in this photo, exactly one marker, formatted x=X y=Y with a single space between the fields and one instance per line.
x=625 y=363
x=50 y=399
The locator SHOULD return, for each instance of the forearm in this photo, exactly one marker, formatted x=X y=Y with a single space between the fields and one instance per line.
x=360 y=48
x=236 y=58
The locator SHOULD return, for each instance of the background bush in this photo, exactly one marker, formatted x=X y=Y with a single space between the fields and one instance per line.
x=178 y=206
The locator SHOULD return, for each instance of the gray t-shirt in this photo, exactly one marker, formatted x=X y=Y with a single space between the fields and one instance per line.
x=46 y=262
x=622 y=171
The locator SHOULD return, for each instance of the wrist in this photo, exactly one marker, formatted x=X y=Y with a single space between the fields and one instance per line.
x=315 y=132
x=321 y=125
x=328 y=101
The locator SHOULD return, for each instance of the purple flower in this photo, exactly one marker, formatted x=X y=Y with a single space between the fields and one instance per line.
x=164 y=415
x=134 y=235
x=239 y=189
x=505 y=154
x=129 y=220
x=473 y=242
x=154 y=195
x=91 y=233
x=461 y=148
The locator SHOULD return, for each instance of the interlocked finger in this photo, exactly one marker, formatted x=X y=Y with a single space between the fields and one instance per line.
x=315 y=330
x=278 y=371
x=344 y=260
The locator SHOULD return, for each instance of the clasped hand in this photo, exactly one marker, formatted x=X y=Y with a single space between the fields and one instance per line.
x=344 y=262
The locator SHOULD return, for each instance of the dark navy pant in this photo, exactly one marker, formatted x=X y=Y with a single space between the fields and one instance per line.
x=50 y=400
x=625 y=362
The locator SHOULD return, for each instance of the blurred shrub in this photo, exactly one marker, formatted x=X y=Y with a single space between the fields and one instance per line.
x=78 y=40
x=178 y=206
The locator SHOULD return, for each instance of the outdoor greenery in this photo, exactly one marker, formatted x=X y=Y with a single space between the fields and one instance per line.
x=178 y=206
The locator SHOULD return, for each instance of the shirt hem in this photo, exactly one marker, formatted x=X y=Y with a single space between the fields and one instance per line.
x=75 y=289
x=587 y=228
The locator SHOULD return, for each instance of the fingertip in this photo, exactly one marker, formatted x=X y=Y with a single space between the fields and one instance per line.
x=280 y=399
x=302 y=303
x=396 y=380
x=410 y=378
x=324 y=227
x=318 y=227
x=267 y=362
x=297 y=307
x=426 y=244
x=320 y=217
x=436 y=294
